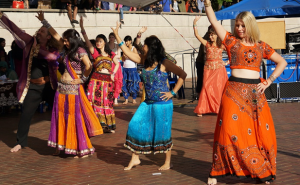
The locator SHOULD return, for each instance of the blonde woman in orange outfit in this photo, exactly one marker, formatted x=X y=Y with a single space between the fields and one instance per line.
x=214 y=76
x=245 y=140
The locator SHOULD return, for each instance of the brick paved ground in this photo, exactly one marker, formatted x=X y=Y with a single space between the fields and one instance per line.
x=191 y=155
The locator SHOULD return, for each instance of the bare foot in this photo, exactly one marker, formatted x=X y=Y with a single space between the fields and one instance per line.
x=211 y=181
x=134 y=101
x=113 y=131
x=166 y=166
x=267 y=182
x=199 y=115
x=77 y=156
x=116 y=101
x=132 y=163
x=16 y=148
x=126 y=102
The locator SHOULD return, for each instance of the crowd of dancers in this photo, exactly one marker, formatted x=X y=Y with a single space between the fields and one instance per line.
x=91 y=81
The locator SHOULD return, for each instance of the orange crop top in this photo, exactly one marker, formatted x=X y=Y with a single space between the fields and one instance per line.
x=246 y=57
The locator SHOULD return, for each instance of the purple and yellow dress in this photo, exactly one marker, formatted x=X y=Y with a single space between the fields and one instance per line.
x=73 y=119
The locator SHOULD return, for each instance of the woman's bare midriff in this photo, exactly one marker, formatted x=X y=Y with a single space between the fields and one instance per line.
x=66 y=77
x=245 y=73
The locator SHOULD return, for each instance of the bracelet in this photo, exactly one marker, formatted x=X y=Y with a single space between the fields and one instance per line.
x=272 y=77
x=194 y=25
x=207 y=4
x=173 y=93
x=139 y=35
x=113 y=73
x=46 y=24
x=83 y=78
x=83 y=32
x=121 y=43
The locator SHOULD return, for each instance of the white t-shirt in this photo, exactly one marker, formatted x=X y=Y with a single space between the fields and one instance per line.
x=128 y=63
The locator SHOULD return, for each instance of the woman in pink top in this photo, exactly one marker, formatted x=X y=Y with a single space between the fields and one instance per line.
x=100 y=89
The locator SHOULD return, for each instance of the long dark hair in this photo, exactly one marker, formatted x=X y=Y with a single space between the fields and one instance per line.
x=106 y=45
x=219 y=41
x=75 y=42
x=1 y=48
x=16 y=51
x=156 y=52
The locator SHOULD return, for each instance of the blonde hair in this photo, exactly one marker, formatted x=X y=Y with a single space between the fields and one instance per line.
x=252 y=30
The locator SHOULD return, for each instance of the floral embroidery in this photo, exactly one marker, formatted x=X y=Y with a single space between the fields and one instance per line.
x=257 y=162
x=250 y=102
x=246 y=57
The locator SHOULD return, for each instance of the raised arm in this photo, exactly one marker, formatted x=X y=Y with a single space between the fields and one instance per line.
x=203 y=41
x=52 y=31
x=22 y=39
x=133 y=56
x=86 y=39
x=221 y=32
x=139 y=35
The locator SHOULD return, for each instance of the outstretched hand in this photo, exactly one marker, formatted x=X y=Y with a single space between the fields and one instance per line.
x=116 y=29
x=143 y=29
x=197 y=18
x=40 y=15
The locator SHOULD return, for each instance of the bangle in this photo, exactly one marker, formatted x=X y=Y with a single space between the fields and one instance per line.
x=173 y=93
x=194 y=25
x=83 y=78
x=207 y=4
x=113 y=73
x=272 y=77
x=121 y=43
x=139 y=35
x=46 y=24
x=83 y=32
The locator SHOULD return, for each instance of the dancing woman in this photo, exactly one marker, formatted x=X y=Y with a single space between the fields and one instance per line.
x=73 y=119
x=118 y=81
x=131 y=78
x=150 y=128
x=100 y=88
x=214 y=77
x=244 y=139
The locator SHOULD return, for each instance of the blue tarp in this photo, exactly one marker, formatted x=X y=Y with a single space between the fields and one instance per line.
x=261 y=8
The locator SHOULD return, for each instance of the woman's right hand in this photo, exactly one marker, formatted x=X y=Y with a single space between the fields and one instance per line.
x=197 y=19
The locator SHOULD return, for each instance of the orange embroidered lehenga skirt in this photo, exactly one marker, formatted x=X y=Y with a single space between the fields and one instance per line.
x=244 y=139
x=214 y=81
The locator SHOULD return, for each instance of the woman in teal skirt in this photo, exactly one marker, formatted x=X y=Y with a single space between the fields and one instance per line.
x=150 y=128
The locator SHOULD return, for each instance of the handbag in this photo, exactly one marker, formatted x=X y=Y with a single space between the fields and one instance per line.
x=18 y=4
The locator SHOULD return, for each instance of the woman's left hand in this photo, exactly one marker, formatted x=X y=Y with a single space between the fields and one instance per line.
x=261 y=87
x=166 y=96
x=76 y=81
